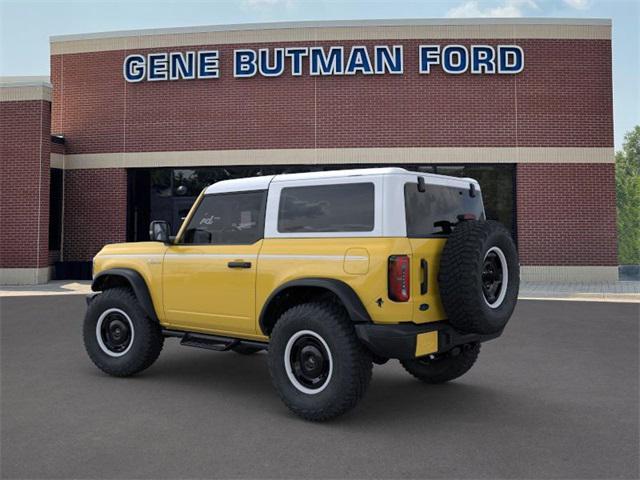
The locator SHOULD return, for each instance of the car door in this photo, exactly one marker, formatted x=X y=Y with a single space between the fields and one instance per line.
x=209 y=274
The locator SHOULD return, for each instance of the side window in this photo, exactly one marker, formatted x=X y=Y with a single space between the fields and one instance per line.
x=228 y=219
x=327 y=208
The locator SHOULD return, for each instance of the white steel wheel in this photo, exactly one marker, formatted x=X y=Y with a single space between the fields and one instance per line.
x=308 y=362
x=115 y=332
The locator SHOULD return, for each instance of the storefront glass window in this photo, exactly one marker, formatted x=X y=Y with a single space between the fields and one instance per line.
x=168 y=193
x=497 y=183
x=55 y=209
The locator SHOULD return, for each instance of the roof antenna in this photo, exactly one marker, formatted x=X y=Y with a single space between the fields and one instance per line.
x=472 y=190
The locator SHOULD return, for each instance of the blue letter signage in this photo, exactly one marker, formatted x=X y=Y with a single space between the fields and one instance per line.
x=324 y=61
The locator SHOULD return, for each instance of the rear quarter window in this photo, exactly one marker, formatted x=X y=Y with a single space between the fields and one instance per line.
x=426 y=211
x=347 y=207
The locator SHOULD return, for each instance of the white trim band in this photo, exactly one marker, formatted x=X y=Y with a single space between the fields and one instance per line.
x=243 y=256
x=404 y=29
x=18 y=89
x=56 y=160
x=340 y=258
x=200 y=256
x=25 y=93
x=311 y=156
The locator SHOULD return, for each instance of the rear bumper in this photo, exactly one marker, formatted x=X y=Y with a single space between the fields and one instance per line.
x=406 y=341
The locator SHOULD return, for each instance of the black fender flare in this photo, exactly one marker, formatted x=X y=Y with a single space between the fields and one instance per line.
x=349 y=298
x=135 y=280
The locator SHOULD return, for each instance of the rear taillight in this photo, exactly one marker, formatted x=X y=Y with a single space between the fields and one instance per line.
x=399 y=278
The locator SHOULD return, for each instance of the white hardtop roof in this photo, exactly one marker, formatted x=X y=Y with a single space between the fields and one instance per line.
x=355 y=172
x=262 y=183
x=240 y=185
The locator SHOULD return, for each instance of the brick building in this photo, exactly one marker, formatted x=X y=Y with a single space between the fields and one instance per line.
x=134 y=124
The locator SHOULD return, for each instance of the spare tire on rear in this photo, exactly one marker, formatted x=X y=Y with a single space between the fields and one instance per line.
x=479 y=277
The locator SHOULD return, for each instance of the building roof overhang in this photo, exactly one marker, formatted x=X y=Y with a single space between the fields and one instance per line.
x=458 y=28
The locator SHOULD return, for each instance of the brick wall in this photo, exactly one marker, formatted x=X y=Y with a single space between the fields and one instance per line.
x=24 y=183
x=562 y=98
x=57 y=148
x=566 y=214
x=95 y=211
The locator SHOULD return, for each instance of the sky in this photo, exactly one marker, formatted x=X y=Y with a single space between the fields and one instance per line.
x=25 y=26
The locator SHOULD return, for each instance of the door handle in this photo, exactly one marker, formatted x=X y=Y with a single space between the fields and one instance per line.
x=239 y=264
x=425 y=276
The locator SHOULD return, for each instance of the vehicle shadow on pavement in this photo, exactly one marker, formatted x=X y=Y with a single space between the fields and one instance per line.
x=399 y=399
x=393 y=397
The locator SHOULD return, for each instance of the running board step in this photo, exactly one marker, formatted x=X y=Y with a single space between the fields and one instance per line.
x=210 y=342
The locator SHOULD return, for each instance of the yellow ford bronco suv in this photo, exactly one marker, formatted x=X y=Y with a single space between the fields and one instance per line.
x=328 y=271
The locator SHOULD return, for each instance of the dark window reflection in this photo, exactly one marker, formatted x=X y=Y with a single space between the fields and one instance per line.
x=497 y=184
x=55 y=208
x=170 y=192
x=345 y=207
x=432 y=212
x=232 y=218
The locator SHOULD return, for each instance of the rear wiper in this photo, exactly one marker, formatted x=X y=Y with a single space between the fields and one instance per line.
x=447 y=226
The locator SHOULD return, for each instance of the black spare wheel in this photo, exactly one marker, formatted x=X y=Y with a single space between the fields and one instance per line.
x=479 y=277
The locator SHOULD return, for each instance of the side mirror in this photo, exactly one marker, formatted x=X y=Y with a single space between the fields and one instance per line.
x=159 y=231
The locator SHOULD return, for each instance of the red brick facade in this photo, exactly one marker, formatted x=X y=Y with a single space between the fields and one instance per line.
x=566 y=214
x=24 y=183
x=57 y=148
x=558 y=100
x=95 y=206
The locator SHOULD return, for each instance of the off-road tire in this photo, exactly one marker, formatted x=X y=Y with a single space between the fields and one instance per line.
x=351 y=362
x=246 y=350
x=460 y=277
x=147 y=339
x=443 y=368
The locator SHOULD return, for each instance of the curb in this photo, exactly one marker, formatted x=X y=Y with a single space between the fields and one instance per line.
x=620 y=298
x=574 y=297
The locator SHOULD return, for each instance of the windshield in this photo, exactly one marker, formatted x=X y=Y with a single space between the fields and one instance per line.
x=434 y=211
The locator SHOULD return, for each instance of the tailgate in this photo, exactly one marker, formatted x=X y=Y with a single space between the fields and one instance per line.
x=425 y=260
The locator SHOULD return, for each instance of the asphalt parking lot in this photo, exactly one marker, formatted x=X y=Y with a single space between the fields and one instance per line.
x=556 y=397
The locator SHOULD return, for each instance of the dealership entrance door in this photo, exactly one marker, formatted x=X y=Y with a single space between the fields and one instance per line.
x=168 y=193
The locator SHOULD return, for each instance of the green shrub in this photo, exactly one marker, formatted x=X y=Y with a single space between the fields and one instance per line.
x=628 y=198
